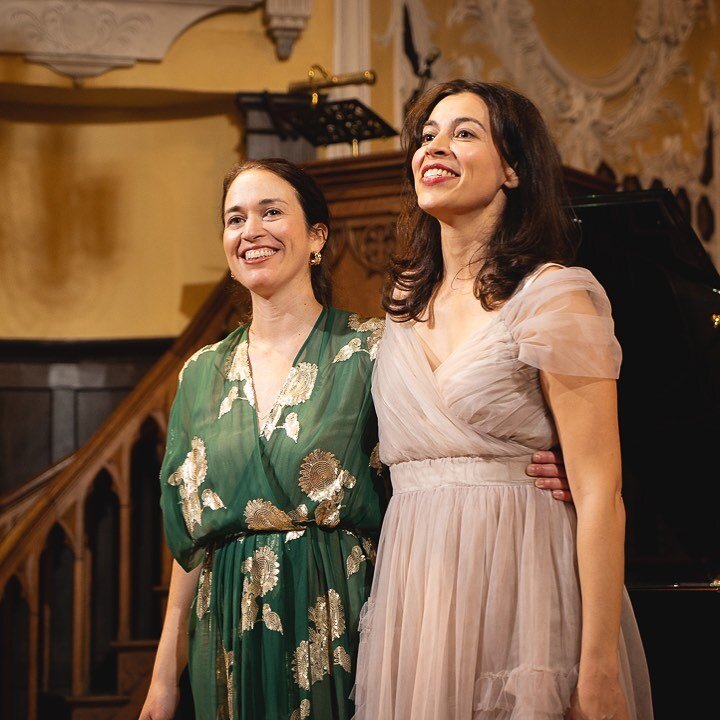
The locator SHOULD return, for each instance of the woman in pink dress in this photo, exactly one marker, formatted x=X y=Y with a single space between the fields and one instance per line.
x=495 y=349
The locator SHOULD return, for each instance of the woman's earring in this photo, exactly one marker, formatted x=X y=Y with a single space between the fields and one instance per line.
x=315 y=258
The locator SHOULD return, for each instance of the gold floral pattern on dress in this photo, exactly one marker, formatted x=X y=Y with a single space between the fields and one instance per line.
x=303 y=712
x=342 y=658
x=296 y=389
x=263 y=515
x=195 y=356
x=354 y=560
x=238 y=370
x=327 y=513
x=262 y=571
x=204 y=591
x=374 y=326
x=312 y=658
x=301 y=665
x=188 y=478
x=348 y=350
x=321 y=477
x=292 y=426
x=375 y=461
x=369 y=548
x=224 y=667
x=227 y=402
x=299 y=514
x=294 y=535
x=211 y=499
x=355 y=322
x=271 y=619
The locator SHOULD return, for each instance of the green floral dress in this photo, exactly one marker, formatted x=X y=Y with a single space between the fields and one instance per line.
x=283 y=518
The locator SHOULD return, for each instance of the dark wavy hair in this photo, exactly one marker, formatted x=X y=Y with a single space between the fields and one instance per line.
x=314 y=207
x=533 y=227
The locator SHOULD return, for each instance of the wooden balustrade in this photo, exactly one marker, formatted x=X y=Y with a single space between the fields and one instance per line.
x=45 y=522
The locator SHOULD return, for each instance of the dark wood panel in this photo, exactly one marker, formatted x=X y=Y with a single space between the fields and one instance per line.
x=54 y=395
x=25 y=432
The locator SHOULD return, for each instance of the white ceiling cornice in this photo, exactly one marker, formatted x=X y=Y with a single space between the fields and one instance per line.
x=84 y=38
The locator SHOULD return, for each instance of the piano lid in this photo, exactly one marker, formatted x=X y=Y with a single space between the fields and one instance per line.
x=665 y=293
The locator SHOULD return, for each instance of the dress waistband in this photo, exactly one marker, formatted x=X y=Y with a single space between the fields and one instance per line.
x=435 y=473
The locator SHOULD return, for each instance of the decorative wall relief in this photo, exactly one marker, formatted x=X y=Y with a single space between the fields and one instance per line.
x=594 y=119
x=82 y=38
x=371 y=242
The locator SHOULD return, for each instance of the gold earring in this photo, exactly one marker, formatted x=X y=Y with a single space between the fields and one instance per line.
x=315 y=258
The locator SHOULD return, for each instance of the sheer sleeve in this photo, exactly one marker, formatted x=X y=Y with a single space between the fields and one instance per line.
x=562 y=323
x=178 y=471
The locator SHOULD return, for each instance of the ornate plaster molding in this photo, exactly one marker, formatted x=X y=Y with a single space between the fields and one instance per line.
x=84 y=38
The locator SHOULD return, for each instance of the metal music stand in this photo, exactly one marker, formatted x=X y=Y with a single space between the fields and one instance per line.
x=319 y=121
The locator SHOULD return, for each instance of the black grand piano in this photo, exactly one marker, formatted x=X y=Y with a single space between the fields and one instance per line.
x=665 y=295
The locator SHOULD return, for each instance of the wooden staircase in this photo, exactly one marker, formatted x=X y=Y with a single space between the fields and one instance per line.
x=69 y=540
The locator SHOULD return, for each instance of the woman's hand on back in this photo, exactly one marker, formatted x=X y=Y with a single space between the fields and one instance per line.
x=548 y=470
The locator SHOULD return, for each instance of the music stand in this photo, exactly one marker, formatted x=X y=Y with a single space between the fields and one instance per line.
x=291 y=116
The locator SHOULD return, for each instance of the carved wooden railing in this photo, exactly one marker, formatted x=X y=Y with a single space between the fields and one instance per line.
x=57 y=499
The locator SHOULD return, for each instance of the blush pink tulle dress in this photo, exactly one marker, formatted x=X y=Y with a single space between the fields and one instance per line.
x=475 y=608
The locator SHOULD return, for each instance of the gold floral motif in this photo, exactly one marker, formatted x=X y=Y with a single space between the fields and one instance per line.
x=342 y=658
x=263 y=570
x=303 y=712
x=369 y=548
x=229 y=663
x=299 y=514
x=227 y=402
x=319 y=475
x=299 y=384
x=292 y=426
x=347 y=351
x=375 y=326
x=327 y=513
x=346 y=479
x=271 y=619
x=296 y=389
x=301 y=665
x=194 y=357
x=375 y=461
x=263 y=515
x=319 y=654
x=354 y=560
x=294 y=535
x=355 y=322
x=204 y=591
x=248 y=607
x=337 y=614
x=312 y=658
x=212 y=500
x=238 y=370
x=373 y=342
x=188 y=478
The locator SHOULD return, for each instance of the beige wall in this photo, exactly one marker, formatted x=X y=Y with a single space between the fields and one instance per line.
x=109 y=228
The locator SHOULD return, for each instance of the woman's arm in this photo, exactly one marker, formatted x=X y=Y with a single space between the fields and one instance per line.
x=585 y=412
x=172 y=655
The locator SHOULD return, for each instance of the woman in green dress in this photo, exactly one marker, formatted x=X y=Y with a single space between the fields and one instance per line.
x=272 y=529
x=271 y=494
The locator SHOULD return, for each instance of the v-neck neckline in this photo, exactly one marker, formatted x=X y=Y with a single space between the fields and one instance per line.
x=260 y=431
x=421 y=344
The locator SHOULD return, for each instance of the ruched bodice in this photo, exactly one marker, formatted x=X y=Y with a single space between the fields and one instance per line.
x=475 y=610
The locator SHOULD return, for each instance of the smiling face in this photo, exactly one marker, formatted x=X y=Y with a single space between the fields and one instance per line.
x=265 y=236
x=457 y=169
